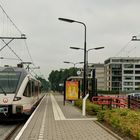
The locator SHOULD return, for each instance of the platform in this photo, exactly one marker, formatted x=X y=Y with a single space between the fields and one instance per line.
x=54 y=121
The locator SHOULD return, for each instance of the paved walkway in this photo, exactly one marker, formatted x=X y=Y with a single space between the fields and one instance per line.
x=53 y=121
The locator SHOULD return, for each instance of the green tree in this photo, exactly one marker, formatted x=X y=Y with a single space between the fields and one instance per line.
x=44 y=84
x=57 y=78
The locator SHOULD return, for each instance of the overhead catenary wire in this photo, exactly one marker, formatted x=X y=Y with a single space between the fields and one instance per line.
x=11 y=20
x=123 y=48
x=29 y=52
x=7 y=44
x=32 y=70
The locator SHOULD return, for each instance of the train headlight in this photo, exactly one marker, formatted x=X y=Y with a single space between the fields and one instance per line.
x=17 y=98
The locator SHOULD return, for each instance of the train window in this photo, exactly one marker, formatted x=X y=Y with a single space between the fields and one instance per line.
x=33 y=88
x=9 y=81
x=27 y=92
x=36 y=89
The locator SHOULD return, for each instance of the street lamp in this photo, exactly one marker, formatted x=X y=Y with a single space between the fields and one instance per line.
x=85 y=57
x=73 y=63
x=77 y=48
x=97 y=48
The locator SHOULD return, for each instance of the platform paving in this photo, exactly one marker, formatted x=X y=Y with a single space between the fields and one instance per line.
x=54 y=121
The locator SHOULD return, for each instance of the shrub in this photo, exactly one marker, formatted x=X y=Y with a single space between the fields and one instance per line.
x=125 y=120
x=91 y=108
x=100 y=115
x=78 y=103
x=138 y=135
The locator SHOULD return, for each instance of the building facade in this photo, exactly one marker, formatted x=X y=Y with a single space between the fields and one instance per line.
x=99 y=74
x=122 y=74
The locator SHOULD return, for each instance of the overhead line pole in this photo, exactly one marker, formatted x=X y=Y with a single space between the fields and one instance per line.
x=134 y=38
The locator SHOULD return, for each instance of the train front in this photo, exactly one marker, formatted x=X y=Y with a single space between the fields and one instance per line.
x=9 y=83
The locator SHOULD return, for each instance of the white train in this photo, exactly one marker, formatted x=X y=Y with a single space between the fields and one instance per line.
x=19 y=91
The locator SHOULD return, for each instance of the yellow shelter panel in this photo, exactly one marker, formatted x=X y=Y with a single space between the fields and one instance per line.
x=72 y=90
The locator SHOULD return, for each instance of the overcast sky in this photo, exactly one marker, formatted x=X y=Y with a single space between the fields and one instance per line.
x=110 y=23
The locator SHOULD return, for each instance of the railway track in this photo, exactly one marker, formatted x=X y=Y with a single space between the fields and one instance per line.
x=9 y=130
x=12 y=132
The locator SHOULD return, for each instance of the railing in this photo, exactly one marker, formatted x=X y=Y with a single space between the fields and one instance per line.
x=115 y=102
x=133 y=102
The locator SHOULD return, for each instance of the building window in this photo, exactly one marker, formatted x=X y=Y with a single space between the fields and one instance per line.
x=128 y=78
x=116 y=66
x=137 y=66
x=128 y=89
x=137 y=88
x=137 y=78
x=116 y=73
x=137 y=83
x=116 y=78
x=128 y=65
x=137 y=72
x=128 y=71
x=128 y=83
x=116 y=84
x=115 y=89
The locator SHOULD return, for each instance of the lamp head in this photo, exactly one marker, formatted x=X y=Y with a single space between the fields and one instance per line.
x=98 y=48
x=66 y=62
x=76 y=48
x=66 y=20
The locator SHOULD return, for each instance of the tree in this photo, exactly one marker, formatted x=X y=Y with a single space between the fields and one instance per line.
x=57 y=78
x=44 y=84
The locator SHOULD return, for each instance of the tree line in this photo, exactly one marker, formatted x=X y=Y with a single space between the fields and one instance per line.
x=57 y=78
x=44 y=84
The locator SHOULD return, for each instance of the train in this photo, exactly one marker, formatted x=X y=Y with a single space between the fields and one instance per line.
x=20 y=91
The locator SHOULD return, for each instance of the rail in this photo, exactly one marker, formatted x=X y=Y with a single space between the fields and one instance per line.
x=13 y=131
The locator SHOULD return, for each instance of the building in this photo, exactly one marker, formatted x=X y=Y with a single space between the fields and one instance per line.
x=122 y=74
x=99 y=74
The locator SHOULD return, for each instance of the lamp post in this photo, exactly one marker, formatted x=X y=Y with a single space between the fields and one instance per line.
x=85 y=57
x=73 y=63
x=77 y=48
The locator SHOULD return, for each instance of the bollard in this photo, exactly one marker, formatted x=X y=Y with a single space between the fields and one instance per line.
x=84 y=105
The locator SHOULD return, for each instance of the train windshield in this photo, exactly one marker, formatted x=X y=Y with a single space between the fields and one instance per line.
x=9 y=81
